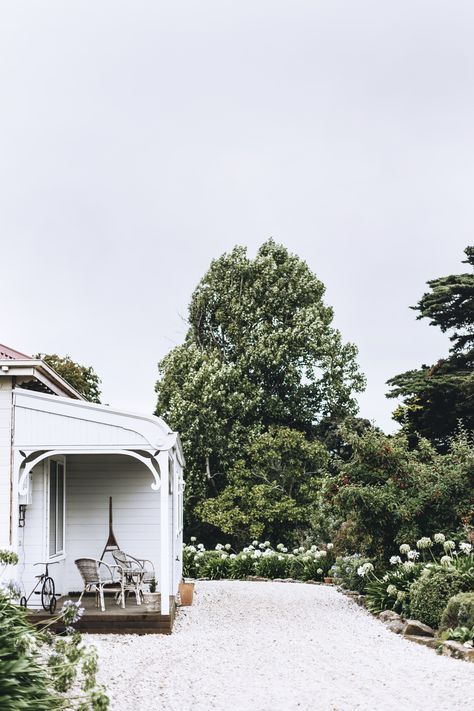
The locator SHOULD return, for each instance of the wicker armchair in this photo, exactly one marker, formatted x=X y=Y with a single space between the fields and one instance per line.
x=98 y=575
x=136 y=571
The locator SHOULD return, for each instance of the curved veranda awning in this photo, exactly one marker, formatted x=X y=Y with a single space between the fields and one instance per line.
x=47 y=425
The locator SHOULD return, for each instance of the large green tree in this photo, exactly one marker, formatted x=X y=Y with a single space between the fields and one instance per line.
x=83 y=378
x=260 y=353
x=437 y=397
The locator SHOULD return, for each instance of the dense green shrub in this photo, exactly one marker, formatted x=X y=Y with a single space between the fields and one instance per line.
x=431 y=592
x=214 y=565
x=272 y=566
x=243 y=565
x=459 y=611
x=392 y=592
x=389 y=492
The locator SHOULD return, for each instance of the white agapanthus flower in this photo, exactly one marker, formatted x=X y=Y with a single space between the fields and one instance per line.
x=193 y=539
x=439 y=538
x=314 y=548
x=223 y=556
x=413 y=555
x=322 y=554
x=364 y=569
x=296 y=551
x=401 y=595
x=255 y=544
x=227 y=546
x=404 y=548
x=284 y=550
x=243 y=556
x=424 y=542
x=201 y=547
x=446 y=560
x=192 y=549
x=232 y=555
x=266 y=544
x=280 y=547
x=395 y=560
x=280 y=557
x=301 y=549
x=219 y=546
x=392 y=590
x=330 y=546
x=408 y=564
x=465 y=547
x=319 y=571
x=449 y=546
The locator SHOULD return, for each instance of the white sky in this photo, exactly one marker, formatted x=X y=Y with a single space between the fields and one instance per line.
x=141 y=139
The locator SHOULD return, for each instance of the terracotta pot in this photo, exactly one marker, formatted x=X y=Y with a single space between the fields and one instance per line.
x=186 y=591
x=328 y=581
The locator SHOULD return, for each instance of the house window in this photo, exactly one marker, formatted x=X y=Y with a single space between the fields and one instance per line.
x=56 y=507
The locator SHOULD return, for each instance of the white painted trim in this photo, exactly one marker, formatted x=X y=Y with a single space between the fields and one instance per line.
x=165 y=552
x=148 y=462
x=60 y=459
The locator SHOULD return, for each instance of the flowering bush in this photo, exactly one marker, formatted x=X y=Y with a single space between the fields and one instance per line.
x=421 y=579
x=257 y=559
x=345 y=572
x=39 y=669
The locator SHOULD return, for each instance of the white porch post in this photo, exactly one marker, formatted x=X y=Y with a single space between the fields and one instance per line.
x=165 y=553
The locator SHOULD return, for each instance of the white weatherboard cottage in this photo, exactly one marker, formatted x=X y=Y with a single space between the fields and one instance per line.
x=61 y=458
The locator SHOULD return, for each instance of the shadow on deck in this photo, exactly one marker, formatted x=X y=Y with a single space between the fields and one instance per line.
x=134 y=619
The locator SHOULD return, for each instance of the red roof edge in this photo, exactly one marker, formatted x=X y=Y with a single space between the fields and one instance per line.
x=7 y=353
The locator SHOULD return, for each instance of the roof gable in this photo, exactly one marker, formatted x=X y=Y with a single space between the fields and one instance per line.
x=7 y=353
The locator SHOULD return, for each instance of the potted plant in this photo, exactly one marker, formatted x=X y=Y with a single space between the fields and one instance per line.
x=152 y=598
x=186 y=591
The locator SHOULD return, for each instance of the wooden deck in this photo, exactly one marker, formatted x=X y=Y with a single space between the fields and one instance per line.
x=134 y=619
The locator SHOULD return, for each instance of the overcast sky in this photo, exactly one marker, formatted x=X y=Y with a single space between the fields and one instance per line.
x=141 y=139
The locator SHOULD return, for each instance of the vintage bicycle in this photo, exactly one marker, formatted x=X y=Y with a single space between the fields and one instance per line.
x=47 y=590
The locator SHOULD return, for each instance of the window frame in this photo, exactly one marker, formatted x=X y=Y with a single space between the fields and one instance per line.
x=58 y=554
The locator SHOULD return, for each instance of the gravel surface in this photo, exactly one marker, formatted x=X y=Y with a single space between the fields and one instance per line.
x=278 y=647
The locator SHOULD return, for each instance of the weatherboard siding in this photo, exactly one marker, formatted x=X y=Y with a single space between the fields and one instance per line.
x=5 y=458
x=90 y=480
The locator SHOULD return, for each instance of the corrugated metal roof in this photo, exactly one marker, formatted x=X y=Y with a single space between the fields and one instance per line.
x=7 y=353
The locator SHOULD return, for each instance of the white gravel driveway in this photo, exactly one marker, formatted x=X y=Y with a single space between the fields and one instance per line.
x=251 y=646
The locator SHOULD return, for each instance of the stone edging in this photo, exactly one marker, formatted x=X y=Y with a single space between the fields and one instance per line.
x=415 y=631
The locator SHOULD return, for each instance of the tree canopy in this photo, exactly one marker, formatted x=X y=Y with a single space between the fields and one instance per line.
x=437 y=397
x=83 y=378
x=260 y=359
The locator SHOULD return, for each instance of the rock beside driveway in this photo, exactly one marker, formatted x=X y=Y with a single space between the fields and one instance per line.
x=413 y=627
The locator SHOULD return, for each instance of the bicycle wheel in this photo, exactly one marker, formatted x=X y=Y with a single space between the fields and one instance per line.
x=52 y=604
x=47 y=593
x=23 y=601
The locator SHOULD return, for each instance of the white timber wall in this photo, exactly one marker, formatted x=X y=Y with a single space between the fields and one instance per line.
x=33 y=538
x=5 y=458
x=90 y=480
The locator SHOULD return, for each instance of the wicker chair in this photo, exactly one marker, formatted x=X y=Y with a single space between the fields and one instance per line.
x=98 y=575
x=136 y=571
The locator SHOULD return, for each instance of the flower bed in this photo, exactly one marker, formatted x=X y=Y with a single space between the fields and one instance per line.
x=258 y=559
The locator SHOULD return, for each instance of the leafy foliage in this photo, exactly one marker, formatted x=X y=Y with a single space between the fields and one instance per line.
x=270 y=493
x=428 y=594
x=390 y=493
x=260 y=359
x=437 y=397
x=83 y=378
x=392 y=592
x=459 y=611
